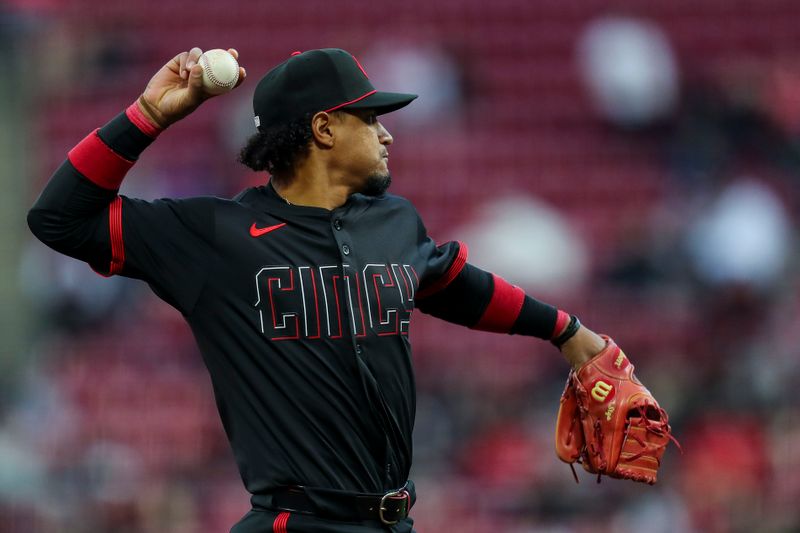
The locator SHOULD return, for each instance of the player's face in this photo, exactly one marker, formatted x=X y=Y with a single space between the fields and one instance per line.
x=363 y=143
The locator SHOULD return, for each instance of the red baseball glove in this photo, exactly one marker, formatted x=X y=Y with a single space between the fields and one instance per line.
x=609 y=422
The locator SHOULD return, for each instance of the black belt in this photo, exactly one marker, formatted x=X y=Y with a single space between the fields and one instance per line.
x=389 y=508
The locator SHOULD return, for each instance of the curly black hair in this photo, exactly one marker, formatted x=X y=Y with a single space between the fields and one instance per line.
x=279 y=148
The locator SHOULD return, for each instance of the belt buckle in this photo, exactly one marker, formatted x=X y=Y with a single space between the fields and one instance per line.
x=402 y=494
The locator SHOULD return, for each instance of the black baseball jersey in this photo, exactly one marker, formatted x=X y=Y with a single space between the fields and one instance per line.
x=301 y=314
x=302 y=317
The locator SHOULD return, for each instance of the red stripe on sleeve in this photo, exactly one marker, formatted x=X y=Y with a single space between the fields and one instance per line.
x=115 y=228
x=455 y=269
x=503 y=308
x=139 y=119
x=99 y=163
x=561 y=322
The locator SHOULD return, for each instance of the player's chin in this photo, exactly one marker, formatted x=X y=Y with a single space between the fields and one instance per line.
x=377 y=184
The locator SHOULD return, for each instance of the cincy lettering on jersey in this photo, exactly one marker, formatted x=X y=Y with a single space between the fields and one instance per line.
x=314 y=302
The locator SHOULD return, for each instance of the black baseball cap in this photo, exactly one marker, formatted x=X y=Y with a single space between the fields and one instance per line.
x=319 y=80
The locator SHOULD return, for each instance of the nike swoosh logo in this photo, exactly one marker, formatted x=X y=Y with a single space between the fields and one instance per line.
x=258 y=232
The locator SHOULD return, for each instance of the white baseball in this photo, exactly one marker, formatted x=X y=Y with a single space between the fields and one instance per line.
x=220 y=71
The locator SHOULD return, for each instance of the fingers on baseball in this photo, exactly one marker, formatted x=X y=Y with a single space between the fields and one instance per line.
x=242 y=72
x=195 y=75
x=242 y=76
x=188 y=60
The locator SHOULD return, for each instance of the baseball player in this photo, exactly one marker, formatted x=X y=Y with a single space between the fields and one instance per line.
x=299 y=292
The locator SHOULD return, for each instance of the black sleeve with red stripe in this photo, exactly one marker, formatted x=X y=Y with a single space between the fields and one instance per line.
x=444 y=264
x=169 y=243
x=484 y=301
x=71 y=216
x=80 y=214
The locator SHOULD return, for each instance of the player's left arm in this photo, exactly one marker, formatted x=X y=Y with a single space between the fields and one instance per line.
x=484 y=301
x=607 y=420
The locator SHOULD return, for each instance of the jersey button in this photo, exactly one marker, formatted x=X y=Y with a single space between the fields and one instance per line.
x=358 y=349
x=346 y=250
x=337 y=224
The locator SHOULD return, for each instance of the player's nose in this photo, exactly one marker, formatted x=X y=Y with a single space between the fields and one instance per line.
x=384 y=136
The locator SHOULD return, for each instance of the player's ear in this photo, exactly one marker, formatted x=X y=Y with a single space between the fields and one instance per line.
x=322 y=128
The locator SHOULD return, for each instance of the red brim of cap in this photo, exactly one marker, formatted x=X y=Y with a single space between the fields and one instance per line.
x=382 y=102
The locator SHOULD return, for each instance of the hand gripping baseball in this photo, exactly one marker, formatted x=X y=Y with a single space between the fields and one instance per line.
x=177 y=88
x=609 y=422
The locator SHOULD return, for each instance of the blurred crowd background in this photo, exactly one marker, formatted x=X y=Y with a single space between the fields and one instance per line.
x=635 y=163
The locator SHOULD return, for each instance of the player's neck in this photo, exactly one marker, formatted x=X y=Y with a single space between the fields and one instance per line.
x=311 y=189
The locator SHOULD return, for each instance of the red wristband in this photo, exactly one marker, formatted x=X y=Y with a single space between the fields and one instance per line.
x=135 y=115
x=562 y=319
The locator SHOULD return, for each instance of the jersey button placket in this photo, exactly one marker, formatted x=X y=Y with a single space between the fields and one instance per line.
x=339 y=235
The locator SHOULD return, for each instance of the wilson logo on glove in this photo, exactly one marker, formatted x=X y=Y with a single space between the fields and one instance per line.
x=602 y=391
